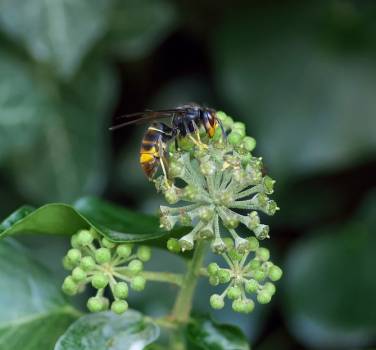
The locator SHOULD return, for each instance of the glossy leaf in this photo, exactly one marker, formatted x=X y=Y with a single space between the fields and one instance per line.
x=69 y=157
x=107 y=331
x=329 y=286
x=21 y=105
x=58 y=32
x=298 y=96
x=34 y=313
x=138 y=26
x=205 y=334
x=116 y=223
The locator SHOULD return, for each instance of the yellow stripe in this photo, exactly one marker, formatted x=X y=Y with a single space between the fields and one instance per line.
x=146 y=157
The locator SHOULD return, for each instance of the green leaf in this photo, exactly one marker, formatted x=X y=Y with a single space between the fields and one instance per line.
x=329 y=285
x=107 y=331
x=138 y=26
x=21 y=105
x=58 y=32
x=73 y=140
x=34 y=313
x=208 y=335
x=116 y=223
x=297 y=95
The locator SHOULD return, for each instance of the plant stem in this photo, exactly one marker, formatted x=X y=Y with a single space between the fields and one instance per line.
x=184 y=299
x=168 y=277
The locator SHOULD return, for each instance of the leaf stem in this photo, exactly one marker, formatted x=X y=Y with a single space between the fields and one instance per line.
x=184 y=299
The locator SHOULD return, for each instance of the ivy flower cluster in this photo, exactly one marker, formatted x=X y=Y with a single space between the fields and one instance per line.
x=105 y=265
x=221 y=180
x=248 y=273
x=224 y=188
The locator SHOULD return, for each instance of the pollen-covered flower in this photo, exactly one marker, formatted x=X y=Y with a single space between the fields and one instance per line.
x=103 y=264
x=223 y=185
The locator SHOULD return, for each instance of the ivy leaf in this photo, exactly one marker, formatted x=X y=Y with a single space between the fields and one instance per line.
x=205 y=334
x=297 y=95
x=34 y=313
x=115 y=223
x=58 y=32
x=73 y=136
x=329 y=285
x=107 y=331
x=138 y=26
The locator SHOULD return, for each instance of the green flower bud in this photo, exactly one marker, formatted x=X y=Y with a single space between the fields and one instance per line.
x=144 y=253
x=87 y=263
x=238 y=305
x=239 y=128
x=275 y=273
x=271 y=208
x=171 y=195
x=263 y=254
x=119 y=306
x=217 y=302
x=249 y=143
x=229 y=242
x=249 y=306
x=68 y=265
x=185 y=219
x=124 y=250
x=106 y=304
x=186 y=242
x=234 y=293
x=264 y=297
x=74 y=242
x=228 y=122
x=213 y=269
x=261 y=231
x=226 y=198
x=135 y=266
x=224 y=276
x=269 y=288
x=84 y=238
x=69 y=286
x=230 y=221
x=234 y=138
x=186 y=144
x=99 y=280
x=107 y=243
x=208 y=168
x=254 y=265
x=120 y=290
x=241 y=245
x=190 y=192
x=235 y=255
x=251 y=286
x=259 y=275
x=74 y=256
x=218 y=246
x=138 y=283
x=173 y=245
x=206 y=232
x=206 y=213
x=268 y=184
x=253 y=244
x=214 y=280
x=94 y=233
x=221 y=116
x=253 y=220
x=102 y=255
x=95 y=304
x=176 y=169
x=78 y=274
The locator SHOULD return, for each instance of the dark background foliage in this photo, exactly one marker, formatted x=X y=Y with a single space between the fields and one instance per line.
x=301 y=75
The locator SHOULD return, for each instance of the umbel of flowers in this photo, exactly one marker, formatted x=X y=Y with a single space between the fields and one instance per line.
x=223 y=189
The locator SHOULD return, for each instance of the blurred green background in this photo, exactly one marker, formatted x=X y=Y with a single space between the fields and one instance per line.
x=301 y=75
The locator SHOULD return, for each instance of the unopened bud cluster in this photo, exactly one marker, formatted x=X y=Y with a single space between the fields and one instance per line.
x=224 y=184
x=95 y=260
x=248 y=273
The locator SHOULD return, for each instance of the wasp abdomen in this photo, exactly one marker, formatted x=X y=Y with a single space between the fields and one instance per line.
x=154 y=139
